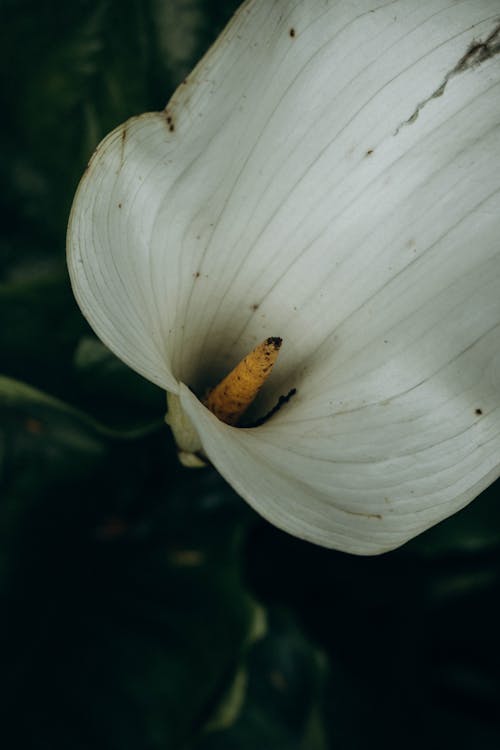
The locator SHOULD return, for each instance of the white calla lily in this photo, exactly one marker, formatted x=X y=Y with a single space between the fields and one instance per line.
x=328 y=174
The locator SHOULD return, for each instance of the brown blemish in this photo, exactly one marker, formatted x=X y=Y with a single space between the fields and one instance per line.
x=254 y=307
x=119 y=205
x=377 y=516
x=170 y=123
x=197 y=275
x=369 y=152
x=122 y=145
x=292 y=32
x=477 y=53
x=478 y=412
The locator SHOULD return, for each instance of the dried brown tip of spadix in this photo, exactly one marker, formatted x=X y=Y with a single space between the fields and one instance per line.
x=232 y=396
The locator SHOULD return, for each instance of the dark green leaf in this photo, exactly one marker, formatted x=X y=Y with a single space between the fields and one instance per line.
x=284 y=700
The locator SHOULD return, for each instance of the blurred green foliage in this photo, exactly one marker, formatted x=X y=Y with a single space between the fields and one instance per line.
x=144 y=605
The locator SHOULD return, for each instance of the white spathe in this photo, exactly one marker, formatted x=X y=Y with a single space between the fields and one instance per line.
x=330 y=174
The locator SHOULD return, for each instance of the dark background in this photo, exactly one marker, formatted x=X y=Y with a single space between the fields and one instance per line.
x=143 y=605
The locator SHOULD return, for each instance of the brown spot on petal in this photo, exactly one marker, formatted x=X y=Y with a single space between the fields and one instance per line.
x=170 y=123
x=123 y=141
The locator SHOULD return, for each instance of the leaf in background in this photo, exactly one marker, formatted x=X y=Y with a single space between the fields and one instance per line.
x=39 y=331
x=113 y=645
x=63 y=422
x=43 y=442
x=69 y=73
x=411 y=631
x=284 y=697
x=126 y=619
x=44 y=341
x=113 y=390
x=180 y=26
x=74 y=72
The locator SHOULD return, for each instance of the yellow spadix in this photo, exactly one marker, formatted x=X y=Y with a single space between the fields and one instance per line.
x=233 y=395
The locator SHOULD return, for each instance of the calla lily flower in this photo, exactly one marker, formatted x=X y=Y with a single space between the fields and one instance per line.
x=329 y=174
